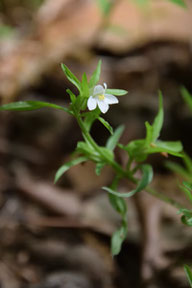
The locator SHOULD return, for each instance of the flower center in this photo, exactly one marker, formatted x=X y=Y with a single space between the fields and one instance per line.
x=101 y=97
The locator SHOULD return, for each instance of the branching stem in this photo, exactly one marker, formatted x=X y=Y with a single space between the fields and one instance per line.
x=118 y=169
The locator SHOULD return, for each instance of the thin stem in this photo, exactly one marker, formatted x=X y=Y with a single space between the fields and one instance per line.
x=120 y=171
x=113 y=163
x=129 y=163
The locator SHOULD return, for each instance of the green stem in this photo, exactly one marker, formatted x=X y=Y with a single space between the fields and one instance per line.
x=120 y=171
x=113 y=163
x=129 y=163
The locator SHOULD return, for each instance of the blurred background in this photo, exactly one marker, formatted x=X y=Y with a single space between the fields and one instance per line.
x=58 y=236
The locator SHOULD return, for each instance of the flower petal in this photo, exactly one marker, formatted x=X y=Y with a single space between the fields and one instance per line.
x=91 y=103
x=98 y=90
x=105 y=85
x=103 y=106
x=110 y=99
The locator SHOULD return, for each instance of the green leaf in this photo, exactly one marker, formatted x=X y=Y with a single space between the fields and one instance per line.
x=136 y=149
x=108 y=153
x=114 y=139
x=84 y=86
x=189 y=274
x=31 y=105
x=170 y=147
x=179 y=2
x=149 y=134
x=99 y=167
x=145 y=180
x=88 y=151
x=186 y=218
x=118 y=204
x=90 y=118
x=71 y=77
x=188 y=163
x=67 y=166
x=96 y=75
x=158 y=122
x=106 y=124
x=116 y=92
x=72 y=96
x=117 y=239
x=187 y=97
x=80 y=103
x=187 y=188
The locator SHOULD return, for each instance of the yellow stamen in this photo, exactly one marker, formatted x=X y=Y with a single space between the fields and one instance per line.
x=101 y=97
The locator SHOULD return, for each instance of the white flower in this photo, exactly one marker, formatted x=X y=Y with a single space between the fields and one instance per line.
x=101 y=99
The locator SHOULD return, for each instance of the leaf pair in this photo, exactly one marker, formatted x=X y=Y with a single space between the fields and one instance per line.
x=111 y=143
x=142 y=184
x=84 y=85
x=120 y=206
x=89 y=153
x=140 y=149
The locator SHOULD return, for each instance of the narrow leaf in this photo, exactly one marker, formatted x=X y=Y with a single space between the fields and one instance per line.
x=117 y=240
x=31 y=105
x=170 y=147
x=187 y=187
x=189 y=274
x=71 y=77
x=67 y=166
x=87 y=150
x=72 y=96
x=116 y=92
x=106 y=124
x=84 y=86
x=96 y=75
x=149 y=133
x=145 y=180
x=158 y=122
x=188 y=162
x=118 y=204
x=108 y=153
x=187 y=97
x=114 y=139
